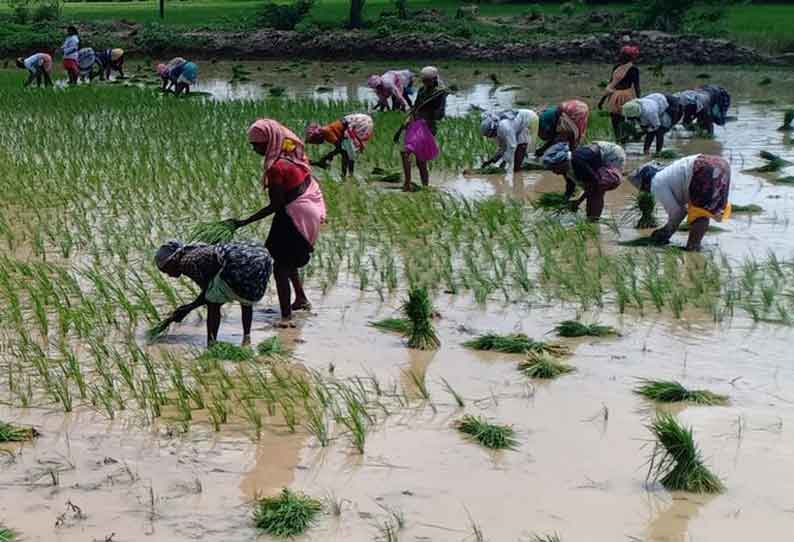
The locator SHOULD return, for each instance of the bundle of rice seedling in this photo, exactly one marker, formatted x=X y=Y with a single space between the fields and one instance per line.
x=673 y=392
x=272 y=347
x=642 y=242
x=212 y=233
x=276 y=91
x=749 y=209
x=788 y=119
x=419 y=311
x=287 y=515
x=668 y=154
x=646 y=205
x=496 y=437
x=158 y=330
x=13 y=433
x=515 y=343
x=676 y=461
x=487 y=170
x=6 y=535
x=784 y=180
x=396 y=325
x=551 y=200
x=532 y=166
x=380 y=175
x=227 y=351
x=765 y=81
x=774 y=163
x=573 y=328
x=544 y=366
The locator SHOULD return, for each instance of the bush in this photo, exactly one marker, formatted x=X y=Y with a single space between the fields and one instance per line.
x=47 y=11
x=20 y=14
x=568 y=9
x=285 y=16
x=680 y=15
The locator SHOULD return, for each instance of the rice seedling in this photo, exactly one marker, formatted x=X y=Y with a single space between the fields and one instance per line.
x=574 y=328
x=551 y=201
x=668 y=154
x=676 y=461
x=544 y=366
x=646 y=205
x=751 y=208
x=515 y=343
x=773 y=163
x=6 y=535
x=13 y=433
x=647 y=241
x=545 y=538
x=493 y=436
x=227 y=351
x=455 y=395
x=419 y=310
x=289 y=514
x=788 y=119
x=271 y=347
x=158 y=330
x=671 y=391
x=395 y=325
x=212 y=233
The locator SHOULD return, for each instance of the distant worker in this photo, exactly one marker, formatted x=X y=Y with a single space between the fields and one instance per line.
x=695 y=187
x=40 y=67
x=565 y=123
x=228 y=272
x=179 y=74
x=395 y=86
x=514 y=131
x=349 y=136
x=623 y=86
x=85 y=60
x=109 y=60
x=70 y=48
x=656 y=115
x=597 y=168
x=717 y=113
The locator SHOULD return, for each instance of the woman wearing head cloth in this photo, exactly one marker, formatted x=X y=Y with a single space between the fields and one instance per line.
x=349 y=136
x=169 y=73
x=40 y=68
x=394 y=85
x=86 y=59
x=695 y=187
x=597 y=168
x=717 y=110
x=429 y=108
x=108 y=60
x=514 y=130
x=225 y=273
x=565 y=123
x=656 y=114
x=623 y=86
x=298 y=206
x=70 y=48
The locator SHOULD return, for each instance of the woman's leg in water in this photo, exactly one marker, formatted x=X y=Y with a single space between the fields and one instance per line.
x=424 y=174
x=301 y=301
x=213 y=322
x=406 y=171
x=247 y=314
x=282 y=276
x=697 y=230
x=521 y=153
x=595 y=203
x=617 y=123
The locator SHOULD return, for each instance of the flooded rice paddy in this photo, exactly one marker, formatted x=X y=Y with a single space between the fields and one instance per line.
x=580 y=467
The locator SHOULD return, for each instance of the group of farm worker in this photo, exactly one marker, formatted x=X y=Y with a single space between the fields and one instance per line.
x=657 y=113
x=78 y=62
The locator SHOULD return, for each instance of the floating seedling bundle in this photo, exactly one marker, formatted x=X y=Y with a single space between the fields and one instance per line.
x=515 y=343
x=544 y=366
x=574 y=328
x=673 y=392
x=418 y=309
x=676 y=461
x=496 y=437
x=551 y=200
x=13 y=433
x=746 y=209
x=396 y=325
x=228 y=352
x=287 y=515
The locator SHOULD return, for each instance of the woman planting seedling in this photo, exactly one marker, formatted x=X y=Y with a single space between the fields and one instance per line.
x=514 y=130
x=395 y=86
x=598 y=168
x=298 y=206
x=225 y=273
x=656 y=115
x=695 y=187
x=564 y=123
x=349 y=135
x=40 y=68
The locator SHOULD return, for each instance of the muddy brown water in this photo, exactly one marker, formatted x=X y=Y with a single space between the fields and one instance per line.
x=580 y=467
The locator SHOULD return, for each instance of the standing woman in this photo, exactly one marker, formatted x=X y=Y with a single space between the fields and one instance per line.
x=514 y=130
x=695 y=187
x=624 y=86
x=349 y=136
x=430 y=107
x=565 y=123
x=298 y=206
x=70 y=48
x=108 y=60
x=656 y=114
x=395 y=86
x=39 y=66
x=597 y=168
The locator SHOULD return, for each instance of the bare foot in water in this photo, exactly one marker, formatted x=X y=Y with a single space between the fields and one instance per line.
x=246 y=341
x=285 y=323
x=301 y=305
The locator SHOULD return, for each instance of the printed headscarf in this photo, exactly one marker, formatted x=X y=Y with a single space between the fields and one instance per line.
x=167 y=252
x=280 y=142
x=630 y=51
x=489 y=124
x=642 y=177
x=556 y=155
x=313 y=131
x=374 y=81
x=632 y=109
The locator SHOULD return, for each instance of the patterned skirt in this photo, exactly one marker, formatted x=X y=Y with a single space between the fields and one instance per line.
x=709 y=189
x=246 y=270
x=618 y=99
